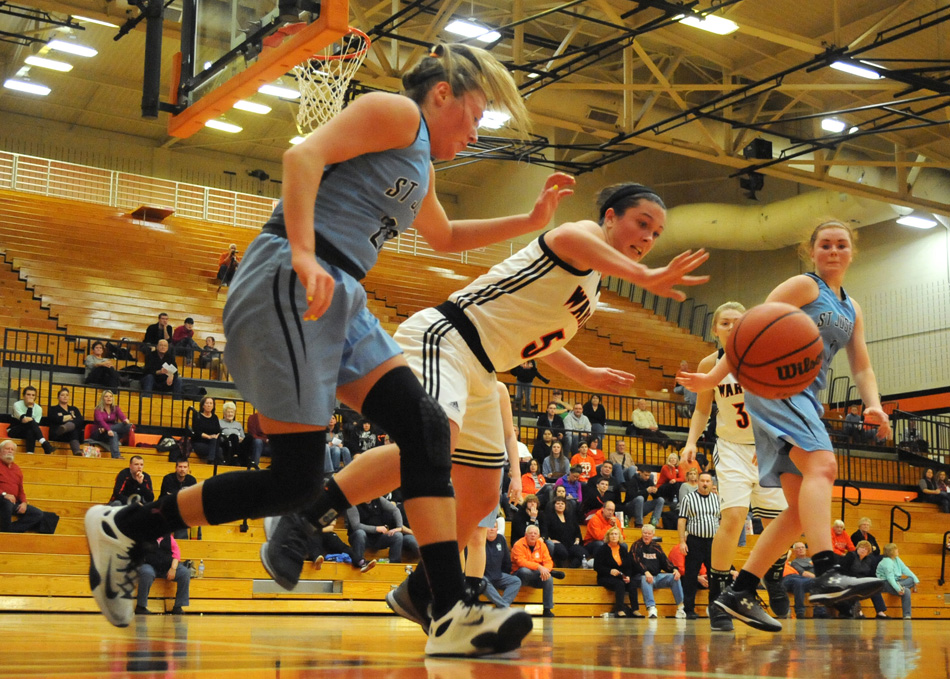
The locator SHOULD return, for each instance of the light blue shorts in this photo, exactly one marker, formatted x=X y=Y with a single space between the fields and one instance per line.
x=780 y=425
x=288 y=368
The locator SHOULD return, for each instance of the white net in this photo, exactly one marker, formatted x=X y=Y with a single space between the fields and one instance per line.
x=324 y=79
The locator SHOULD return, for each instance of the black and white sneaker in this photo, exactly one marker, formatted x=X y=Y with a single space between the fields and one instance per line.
x=831 y=587
x=778 y=599
x=401 y=601
x=719 y=620
x=112 y=567
x=477 y=629
x=748 y=608
x=285 y=550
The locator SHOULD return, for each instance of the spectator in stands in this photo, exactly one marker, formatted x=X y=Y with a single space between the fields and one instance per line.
x=155 y=332
x=669 y=479
x=678 y=559
x=528 y=514
x=929 y=492
x=561 y=409
x=525 y=374
x=698 y=522
x=212 y=358
x=498 y=570
x=572 y=484
x=542 y=446
x=367 y=436
x=862 y=563
x=598 y=524
x=338 y=455
x=840 y=540
x=100 y=370
x=562 y=535
x=163 y=558
x=689 y=485
x=533 y=481
x=555 y=465
x=595 y=412
x=27 y=415
x=595 y=451
x=66 y=422
x=658 y=572
x=131 y=482
x=583 y=460
x=532 y=564
x=377 y=524
x=639 y=489
x=624 y=466
x=912 y=441
x=798 y=578
x=551 y=420
x=228 y=264
x=619 y=573
x=595 y=501
x=687 y=463
x=941 y=480
x=605 y=471
x=13 y=502
x=864 y=533
x=111 y=423
x=178 y=479
x=206 y=432
x=232 y=436
x=686 y=408
x=183 y=339
x=160 y=372
x=898 y=578
x=576 y=428
x=855 y=429
x=647 y=428
x=259 y=444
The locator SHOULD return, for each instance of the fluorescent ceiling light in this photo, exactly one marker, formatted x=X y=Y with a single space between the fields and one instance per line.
x=87 y=20
x=832 y=125
x=917 y=222
x=711 y=23
x=51 y=64
x=28 y=87
x=208 y=65
x=223 y=126
x=855 y=70
x=534 y=75
x=251 y=107
x=470 y=29
x=71 y=48
x=492 y=120
x=296 y=140
x=853 y=129
x=282 y=92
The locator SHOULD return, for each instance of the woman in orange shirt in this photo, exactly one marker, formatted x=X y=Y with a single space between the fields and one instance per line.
x=532 y=482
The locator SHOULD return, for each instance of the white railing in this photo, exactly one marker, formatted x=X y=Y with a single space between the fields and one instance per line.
x=126 y=191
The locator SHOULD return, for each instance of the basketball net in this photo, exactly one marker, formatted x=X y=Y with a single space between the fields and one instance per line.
x=324 y=79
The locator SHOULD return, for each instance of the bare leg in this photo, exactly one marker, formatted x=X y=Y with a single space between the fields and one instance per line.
x=476 y=494
x=475 y=560
x=724 y=545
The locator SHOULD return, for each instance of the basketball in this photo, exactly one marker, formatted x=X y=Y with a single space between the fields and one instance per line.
x=775 y=350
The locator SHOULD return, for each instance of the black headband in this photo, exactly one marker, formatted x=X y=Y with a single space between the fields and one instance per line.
x=629 y=191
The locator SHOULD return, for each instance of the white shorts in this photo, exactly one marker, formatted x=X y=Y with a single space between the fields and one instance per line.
x=452 y=375
x=739 y=481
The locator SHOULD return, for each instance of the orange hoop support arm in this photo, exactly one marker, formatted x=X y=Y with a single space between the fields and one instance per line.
x=332 y=25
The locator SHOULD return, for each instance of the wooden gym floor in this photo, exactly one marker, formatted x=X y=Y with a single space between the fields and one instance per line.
x=386 y=647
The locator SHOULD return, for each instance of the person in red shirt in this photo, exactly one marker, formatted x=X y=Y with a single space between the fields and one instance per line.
x=13 y=498
x=669 y=480
x=598 y=524
x=840 y=540
x=678 y=559
x=584 y=460
x=184 y=340
x=532 y=564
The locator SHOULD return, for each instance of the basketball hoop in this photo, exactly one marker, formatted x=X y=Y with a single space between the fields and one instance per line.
x=325 y=77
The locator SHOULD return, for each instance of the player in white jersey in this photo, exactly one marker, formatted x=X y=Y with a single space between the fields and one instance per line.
x=736 y=470
x=526 y=307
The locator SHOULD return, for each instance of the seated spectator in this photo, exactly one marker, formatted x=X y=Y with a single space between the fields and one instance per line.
x=183 y=339
x=206 y=432
x=647 y=428
x=377 y=524
x=689 y=485
x=658 y=572
x=532 y=564
x=618 y=572
x=595 y=451
x=173 y=482
x=855 y=429
x=678 y=559
x=696 y=464
x=132 y=481
x=533 y=481
x=912 y=441
x=583 y=460
x=259 y=442
x=639 y=489
x=112 y=426
x=337 y=455
x=27 y=415
x=864 y=533
x=555 y=465
x=498 y=570
x=597 y=526
x=624 y=466
x=163 y=558
x=155 y=332
x=928 y=492
x=542 y=447
x=572 y=484
x=562 y=535
x=66 y=424
x=605 y=471
x=861 y=563
x=898 y=578
x=228 y=264
x=13 y=504
x=160 y=372
x=551 y=420
x=528 y=514
x=212 y=358
x=524 y=375
x=231 y=440
x=840 y=540
x=798 y=577
x=101 y=370
x=669 y=479
x=596 y=500
x=368 y=437
x=576 y=428
x=596 y=414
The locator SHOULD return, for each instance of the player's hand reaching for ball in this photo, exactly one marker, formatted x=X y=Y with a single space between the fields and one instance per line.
x=878 y=418
x=557 y=186
x=696 y=381
x=316 y=281
x=609 y=380
x=662 y=281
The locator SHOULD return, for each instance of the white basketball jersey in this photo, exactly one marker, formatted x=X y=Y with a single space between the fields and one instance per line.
x=528 y=306
x=732 y=422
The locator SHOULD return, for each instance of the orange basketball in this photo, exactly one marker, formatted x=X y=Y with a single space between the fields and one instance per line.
x=775 y=350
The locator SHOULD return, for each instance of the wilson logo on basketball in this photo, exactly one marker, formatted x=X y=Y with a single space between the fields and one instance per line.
x=791 y=371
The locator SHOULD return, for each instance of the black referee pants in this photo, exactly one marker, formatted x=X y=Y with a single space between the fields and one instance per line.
x=698 y=552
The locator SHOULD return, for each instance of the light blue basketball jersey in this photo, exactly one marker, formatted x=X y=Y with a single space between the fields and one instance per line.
x=834 y=317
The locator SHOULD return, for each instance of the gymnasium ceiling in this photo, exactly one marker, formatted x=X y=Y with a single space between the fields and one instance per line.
x=614 y=78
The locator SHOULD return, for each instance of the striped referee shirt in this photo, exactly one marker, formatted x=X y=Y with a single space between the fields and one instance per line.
x=701 y=513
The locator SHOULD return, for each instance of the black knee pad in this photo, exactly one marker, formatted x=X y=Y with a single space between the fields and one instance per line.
x=293 y=481
x=417 y=423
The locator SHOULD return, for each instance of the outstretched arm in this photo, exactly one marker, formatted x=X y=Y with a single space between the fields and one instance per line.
x=700 y=382
x=597 y=379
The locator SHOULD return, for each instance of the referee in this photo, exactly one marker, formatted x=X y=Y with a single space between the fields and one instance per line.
x=698 y=522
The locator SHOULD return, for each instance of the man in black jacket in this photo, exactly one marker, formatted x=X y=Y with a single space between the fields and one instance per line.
x=133 y=481
x=156 y=376
x=155 y=332
x=640 y=487
x=551 y=420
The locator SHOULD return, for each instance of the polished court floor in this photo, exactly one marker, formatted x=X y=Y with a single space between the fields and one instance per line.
x=358 y=647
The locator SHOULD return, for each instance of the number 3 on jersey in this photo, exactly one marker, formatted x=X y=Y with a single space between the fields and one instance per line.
x=540 y=345
x=743 y=420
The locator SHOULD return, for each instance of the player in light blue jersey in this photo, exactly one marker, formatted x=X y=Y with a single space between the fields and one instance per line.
x=300 y=335
x=792 y=444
